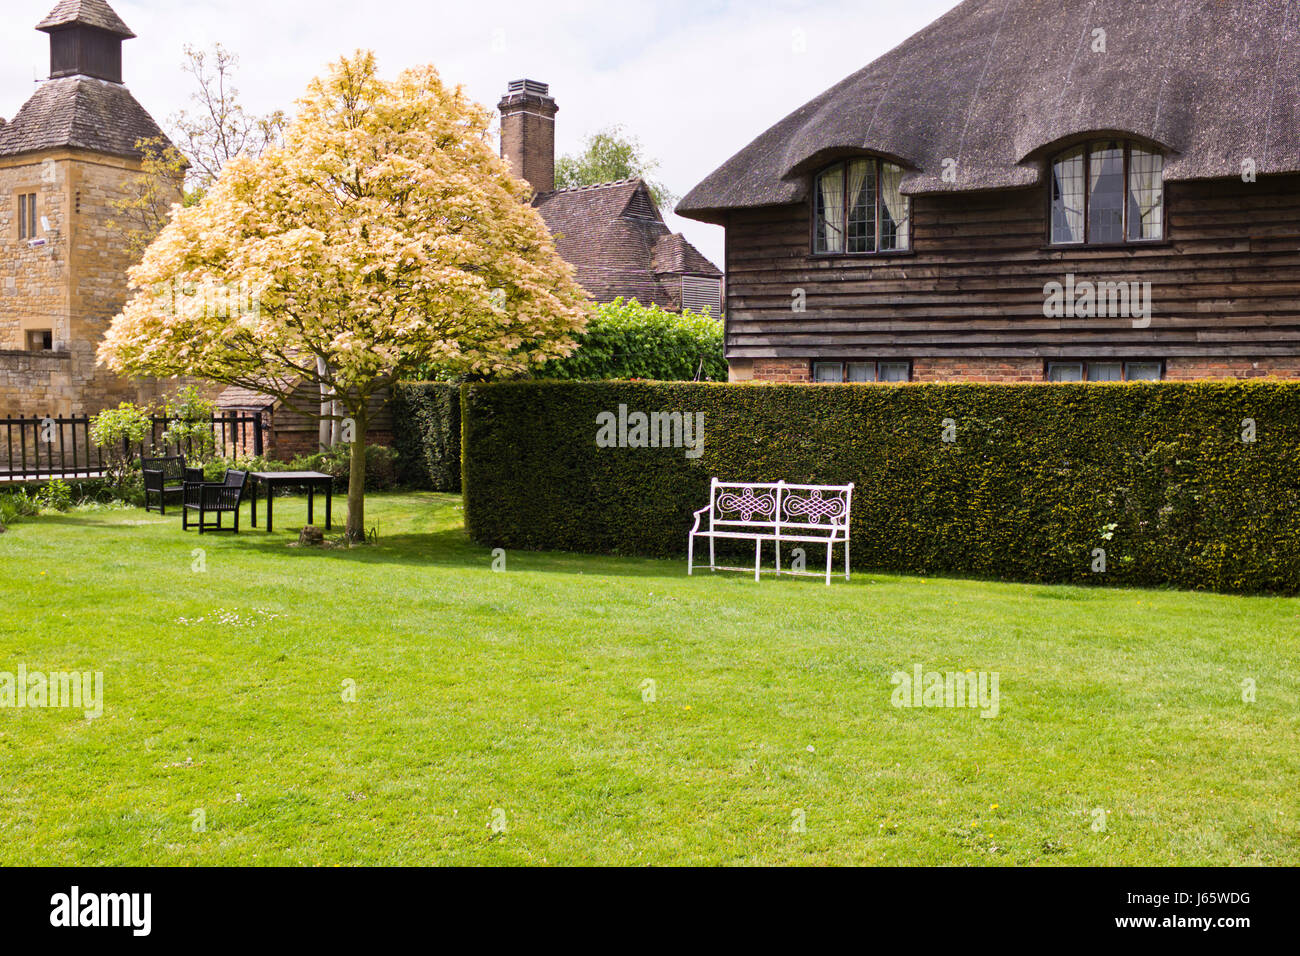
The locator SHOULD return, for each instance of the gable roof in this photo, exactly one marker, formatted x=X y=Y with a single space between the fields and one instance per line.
x=615 y=237
x=994 y=84
x=91 y=13
x=81 y=113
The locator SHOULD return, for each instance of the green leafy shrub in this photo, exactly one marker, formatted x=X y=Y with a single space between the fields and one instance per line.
x=1039 y=479
x=381 y=466
x=426 y=435
x=189 y=425
x=56 y=495
x=16 y=505
x=627 y=340
x=119 y=432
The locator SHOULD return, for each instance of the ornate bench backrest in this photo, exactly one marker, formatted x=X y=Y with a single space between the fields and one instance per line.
x=779 y=505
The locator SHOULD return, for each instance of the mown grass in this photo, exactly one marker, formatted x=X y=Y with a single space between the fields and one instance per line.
x=523 y=692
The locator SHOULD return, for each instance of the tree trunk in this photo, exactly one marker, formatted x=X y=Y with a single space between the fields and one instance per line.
x=356 y=531
x=326 y=407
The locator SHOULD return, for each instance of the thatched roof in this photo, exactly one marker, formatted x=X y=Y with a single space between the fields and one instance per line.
x=995 y=84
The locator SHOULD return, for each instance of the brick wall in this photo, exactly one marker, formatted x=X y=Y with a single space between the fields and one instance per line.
x=782 y=370
x=977 y=370
x=1032 y=369
x=1186 y=369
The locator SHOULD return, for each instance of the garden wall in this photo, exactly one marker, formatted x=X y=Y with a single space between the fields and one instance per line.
x=1190 y=485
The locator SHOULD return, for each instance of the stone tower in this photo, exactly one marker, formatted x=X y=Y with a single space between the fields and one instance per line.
x=67 y=155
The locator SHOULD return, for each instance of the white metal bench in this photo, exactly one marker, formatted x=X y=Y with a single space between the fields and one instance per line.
x=780 y=513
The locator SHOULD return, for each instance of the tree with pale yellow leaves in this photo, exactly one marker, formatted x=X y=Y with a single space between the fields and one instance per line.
x=384 y=235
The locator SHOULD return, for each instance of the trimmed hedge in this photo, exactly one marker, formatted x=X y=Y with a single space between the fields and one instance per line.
x=1039 y=477
x=628 y=340
x=426 y=435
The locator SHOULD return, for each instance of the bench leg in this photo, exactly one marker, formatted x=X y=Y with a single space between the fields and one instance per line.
x=758 y=556
x=690 y=555
x=713 y=561
x=846 y=560
x=830 y=553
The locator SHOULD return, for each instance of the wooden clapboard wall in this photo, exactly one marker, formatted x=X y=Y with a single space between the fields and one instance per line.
x=1226 y=281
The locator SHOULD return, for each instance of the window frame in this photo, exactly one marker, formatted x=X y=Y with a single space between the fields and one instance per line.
x=1087 y=369
x=46 y=335
x=878 y=164
x=844 y=370
x=26 y=214
x=1088 y=146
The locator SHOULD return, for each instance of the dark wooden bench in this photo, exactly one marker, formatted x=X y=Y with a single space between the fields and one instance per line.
x=214 y=498
x=164 y=477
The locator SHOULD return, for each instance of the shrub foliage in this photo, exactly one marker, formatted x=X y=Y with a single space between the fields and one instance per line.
x=626 y=340
x=426 y=435
x=1036 y=483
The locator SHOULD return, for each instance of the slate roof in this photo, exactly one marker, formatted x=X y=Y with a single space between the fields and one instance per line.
x=615 y=237
x=92 y=13
x=994 y=83
x=82 y=113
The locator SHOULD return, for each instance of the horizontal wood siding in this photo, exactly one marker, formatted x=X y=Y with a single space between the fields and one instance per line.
x=1225 y=282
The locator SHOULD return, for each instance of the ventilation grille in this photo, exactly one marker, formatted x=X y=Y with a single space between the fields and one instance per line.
x=530 y=86
x=700 y=294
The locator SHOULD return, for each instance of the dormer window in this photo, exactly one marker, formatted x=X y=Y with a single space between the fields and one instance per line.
x=1107 y=193
x=859 y=208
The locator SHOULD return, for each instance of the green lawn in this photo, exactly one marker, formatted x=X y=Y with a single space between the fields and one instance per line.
x=522 y=692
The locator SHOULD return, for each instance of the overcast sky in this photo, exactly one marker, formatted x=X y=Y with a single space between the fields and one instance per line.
x=694 y=80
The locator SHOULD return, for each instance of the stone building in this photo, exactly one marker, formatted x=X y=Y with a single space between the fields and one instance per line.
x=64 y=159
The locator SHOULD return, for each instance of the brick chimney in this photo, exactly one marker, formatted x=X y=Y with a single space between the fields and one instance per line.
x=528 y=132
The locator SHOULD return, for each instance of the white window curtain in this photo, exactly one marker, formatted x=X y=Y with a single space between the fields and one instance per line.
x=830 y=210
x=895 y=224
x=1146 y=195
x=1067 y=198
x=1106 y=193
x=862 y=206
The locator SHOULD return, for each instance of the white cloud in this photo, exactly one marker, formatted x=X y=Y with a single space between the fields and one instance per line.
x=694 y=81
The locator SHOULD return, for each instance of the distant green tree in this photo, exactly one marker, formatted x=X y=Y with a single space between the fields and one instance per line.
x=610 y=155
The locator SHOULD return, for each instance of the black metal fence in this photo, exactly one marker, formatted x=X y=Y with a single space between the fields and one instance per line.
x=43 y=447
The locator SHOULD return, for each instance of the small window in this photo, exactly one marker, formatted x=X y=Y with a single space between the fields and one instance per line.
x=828 y=372
x=27 y=216
x=40 y=340
x=832 y=372
x=1104 y=371
x=859 y=208
x=1107 y=192
x=1065 y=372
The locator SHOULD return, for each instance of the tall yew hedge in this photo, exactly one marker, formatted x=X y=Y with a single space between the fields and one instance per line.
x=426 y=435
x=1037 y=480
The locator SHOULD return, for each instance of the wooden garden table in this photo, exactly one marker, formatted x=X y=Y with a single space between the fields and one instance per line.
x=311 y=480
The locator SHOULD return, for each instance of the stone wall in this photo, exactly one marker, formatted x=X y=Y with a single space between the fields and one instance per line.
x=72 y=284
x=35 y=383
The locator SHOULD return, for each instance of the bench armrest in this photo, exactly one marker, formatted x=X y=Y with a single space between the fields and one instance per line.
x=702 y=511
